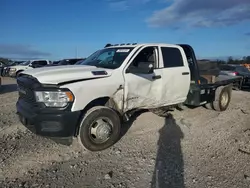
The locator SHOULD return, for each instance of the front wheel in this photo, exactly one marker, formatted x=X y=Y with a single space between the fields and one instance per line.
x=100 y=128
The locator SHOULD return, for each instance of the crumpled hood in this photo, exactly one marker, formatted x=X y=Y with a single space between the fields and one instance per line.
x=67 y=73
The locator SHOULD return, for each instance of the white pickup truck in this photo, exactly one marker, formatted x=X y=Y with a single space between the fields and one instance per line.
x=13 y=71
x=90 y=101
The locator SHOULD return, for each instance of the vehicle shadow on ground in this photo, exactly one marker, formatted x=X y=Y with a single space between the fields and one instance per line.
x=169 y=166
x=127 y=125
x=9 y=88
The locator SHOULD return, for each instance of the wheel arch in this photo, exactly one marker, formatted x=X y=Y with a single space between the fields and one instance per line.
x=104 y=101
x=17 y=72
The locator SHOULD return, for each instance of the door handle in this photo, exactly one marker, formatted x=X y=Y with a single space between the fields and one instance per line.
x=185 y=73
x=156 y=77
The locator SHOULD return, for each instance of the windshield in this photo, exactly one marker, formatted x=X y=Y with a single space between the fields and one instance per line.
x=17 y=63
x=110 y=58
x=25 y=63
x=242 y=69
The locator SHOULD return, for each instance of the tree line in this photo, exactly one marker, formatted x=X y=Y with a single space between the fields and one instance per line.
x=231 y=60
x=5 y=61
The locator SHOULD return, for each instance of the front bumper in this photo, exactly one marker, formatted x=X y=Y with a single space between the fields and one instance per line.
x=47 y=122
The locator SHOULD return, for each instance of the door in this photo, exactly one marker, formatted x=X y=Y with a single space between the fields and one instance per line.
x=141 y=89
x=175 y=74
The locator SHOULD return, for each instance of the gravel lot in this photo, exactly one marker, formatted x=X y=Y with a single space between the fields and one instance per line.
x=193 y=148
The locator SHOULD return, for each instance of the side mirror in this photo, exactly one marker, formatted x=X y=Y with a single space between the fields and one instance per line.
x=142 y=68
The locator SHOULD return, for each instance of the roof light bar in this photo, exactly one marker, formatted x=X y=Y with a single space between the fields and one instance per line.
x=108 y=45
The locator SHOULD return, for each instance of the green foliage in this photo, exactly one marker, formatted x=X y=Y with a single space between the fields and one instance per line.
x=5 y=61
x=231 y=60
x=245 y=59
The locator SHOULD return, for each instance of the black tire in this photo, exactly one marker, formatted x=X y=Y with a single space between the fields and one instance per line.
x=87 y=139
x=222 y=93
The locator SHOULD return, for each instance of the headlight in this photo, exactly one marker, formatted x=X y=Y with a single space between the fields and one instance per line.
x=54 y=98
x=13 y=70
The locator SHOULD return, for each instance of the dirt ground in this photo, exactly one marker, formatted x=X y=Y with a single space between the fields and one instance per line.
x=194 y=148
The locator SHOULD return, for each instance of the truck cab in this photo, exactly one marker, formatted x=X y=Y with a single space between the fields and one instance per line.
x=91 y=100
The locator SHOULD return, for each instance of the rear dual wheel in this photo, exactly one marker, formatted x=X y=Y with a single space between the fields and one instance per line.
x=222 y=99
x=100 y=128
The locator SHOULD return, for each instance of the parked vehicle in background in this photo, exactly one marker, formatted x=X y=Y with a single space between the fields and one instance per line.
x=91 y=100
x=13 y=71
x=247 y=65
x=80 y=61
x=66 y=62
x=54 y=62
x=236 y=70
x=5 y=69
x=2 y=65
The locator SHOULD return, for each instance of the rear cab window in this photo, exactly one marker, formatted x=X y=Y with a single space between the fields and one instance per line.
x=171 y=57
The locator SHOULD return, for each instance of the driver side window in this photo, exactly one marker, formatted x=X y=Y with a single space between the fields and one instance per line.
x=147 y=55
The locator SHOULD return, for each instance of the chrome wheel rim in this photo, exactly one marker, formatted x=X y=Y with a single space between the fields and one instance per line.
x=100 y=130
x=224 y=99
